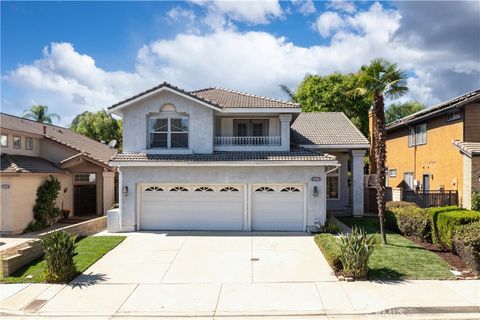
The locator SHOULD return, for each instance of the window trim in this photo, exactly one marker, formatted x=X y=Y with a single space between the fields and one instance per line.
x=31 y=145
x=19 y=144
x=6 y=145
x=337 y=175
x=453 y=113
x=169 y=116
x=412 y=135
x=390 y=171
x=84 y=182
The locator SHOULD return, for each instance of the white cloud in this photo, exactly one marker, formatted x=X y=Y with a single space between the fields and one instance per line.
x=186 y=17
x=342 y=5
x=305 y=7
x=257 y=62
x=328 y=22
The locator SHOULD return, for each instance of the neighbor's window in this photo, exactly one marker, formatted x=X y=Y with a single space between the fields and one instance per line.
x=17 y=142
x=455 y=115
x=392 y=173
x=333 y=185
x=29 y=143
x=4 y=140
x=85 y=177
x=417 y=135
x=169 y=132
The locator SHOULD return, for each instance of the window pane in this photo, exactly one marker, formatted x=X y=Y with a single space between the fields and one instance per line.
x=17 y=142
x=332 y=187
x=179 y=125
x=179 y=140
x=158 y=125
x=257 y=129
x=4 y=140
x=158 y=140
x=28 y=143
x=242 y=130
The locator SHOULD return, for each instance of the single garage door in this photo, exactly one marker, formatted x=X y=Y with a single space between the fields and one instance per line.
x=278 y=208
x=181 y=207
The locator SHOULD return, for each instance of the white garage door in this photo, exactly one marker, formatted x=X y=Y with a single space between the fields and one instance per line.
x=278 y=208
x=181 y=207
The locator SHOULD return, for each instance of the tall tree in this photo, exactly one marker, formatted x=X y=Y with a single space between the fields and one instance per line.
x=99 y=126
x=378 y=80
x=40 y=113
x=329 y=93
x=398 y=111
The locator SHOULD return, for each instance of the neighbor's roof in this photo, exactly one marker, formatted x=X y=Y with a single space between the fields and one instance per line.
x=469 y=148
x=326 y=129
x=436 y=110
x=218 y=97
x=247 y=156
x=90 y=148
x=26 y=164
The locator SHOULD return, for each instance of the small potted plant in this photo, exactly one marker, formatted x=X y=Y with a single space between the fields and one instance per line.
x=66 y=213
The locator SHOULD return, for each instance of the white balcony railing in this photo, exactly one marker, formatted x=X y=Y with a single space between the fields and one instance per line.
x=248 y=141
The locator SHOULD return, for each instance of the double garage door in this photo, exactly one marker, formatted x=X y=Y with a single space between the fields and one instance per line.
x=222 y=207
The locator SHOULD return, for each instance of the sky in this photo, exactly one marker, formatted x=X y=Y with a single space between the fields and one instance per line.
x=77 y=56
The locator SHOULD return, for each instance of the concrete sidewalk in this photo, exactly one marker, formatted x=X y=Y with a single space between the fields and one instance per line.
x=243 y=299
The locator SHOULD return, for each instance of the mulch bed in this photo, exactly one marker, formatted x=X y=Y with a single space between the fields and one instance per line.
x=452 y=259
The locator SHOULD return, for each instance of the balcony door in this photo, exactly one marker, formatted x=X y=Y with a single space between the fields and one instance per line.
x=250 y=127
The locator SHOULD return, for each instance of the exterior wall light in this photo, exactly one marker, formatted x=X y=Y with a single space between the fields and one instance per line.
x=125 y=191
x=315 y=191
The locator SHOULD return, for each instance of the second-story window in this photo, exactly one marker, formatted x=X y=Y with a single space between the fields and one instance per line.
x=168 y=132
x=28 y=143
x=4 y=140
x=455 y=115
x=417 y=135
x=17 y=142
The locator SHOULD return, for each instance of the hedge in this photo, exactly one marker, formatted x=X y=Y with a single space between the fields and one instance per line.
x=444 y=222
x=414 y=222
x=466 y=242
x=330 y=249
x=391 y=220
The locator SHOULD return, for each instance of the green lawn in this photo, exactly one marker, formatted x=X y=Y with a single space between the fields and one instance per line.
x=401 y=258
x=89 y=250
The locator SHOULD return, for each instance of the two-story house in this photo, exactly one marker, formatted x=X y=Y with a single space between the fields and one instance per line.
x=437 y=148
x=218 y=159
x=32 y=151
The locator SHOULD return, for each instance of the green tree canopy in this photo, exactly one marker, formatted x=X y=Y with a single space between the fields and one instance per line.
x=99 y=126
x=40 y=113
x=330 y=93
x=397 y=111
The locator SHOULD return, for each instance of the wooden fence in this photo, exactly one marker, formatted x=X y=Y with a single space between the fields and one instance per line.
x=432 y=198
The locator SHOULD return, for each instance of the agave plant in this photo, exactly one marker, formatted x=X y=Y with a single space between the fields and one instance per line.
x=59 y=248
x=355 y=249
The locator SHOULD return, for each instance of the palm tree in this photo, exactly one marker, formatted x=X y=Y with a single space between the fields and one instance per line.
x=290 y=93
x=381 y=78
x=40 y=113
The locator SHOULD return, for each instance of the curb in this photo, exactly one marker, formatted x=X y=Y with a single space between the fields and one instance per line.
x=430 y=310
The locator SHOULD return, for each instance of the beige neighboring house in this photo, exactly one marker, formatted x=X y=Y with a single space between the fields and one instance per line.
x=32 y=151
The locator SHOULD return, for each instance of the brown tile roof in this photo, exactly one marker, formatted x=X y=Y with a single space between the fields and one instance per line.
x=220 y=98
x=236 y=99
x=248 y=156
x=91 y=148
x=26 y=164
x=435 y=110
x=325 y=128
x=469 y=148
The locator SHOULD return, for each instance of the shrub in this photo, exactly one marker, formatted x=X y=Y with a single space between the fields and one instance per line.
x=331 y=227
x=44 y=212
x=33 y=226
x=413 y=221
x=59 y=248
x=391 y=220
x=355 y=250
x=476 y=201
x=446 y=220
x=393 y=205
x=466 y=242
x=330 y=249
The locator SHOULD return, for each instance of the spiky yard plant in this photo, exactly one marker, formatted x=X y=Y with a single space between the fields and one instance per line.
x=355 y=250
x=59 y=248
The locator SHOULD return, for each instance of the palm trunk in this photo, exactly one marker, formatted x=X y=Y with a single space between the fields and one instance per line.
x=380 y=156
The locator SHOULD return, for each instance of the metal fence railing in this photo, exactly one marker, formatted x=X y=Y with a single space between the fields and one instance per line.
x=432 y=198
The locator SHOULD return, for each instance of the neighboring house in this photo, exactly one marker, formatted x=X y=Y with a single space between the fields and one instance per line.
x=32 y=151
x=218 y=159
x=436 y=148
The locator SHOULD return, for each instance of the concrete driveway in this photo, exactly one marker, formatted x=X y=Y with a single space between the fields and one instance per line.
x=211 y=257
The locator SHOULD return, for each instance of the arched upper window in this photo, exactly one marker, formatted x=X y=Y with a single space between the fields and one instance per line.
x=264 y=189
x=179 y=189
x=168 y=107
x=229 y=189
x=204 y=189
x=153 y=189
x=290 y=189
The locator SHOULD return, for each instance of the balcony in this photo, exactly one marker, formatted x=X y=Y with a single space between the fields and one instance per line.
x=247 y=143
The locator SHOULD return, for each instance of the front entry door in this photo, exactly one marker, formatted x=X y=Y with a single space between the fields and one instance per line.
x=85 y=200
x=426 y=182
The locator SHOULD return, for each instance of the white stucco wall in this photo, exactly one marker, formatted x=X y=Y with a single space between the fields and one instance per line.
x=133 y=176
x=200 y=122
